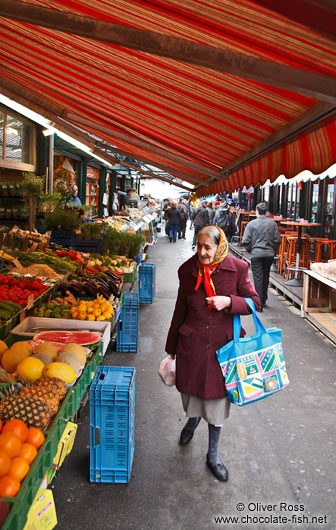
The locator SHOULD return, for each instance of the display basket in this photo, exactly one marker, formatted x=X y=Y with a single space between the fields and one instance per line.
x=127 y=326
x=94 y=246
x=147 y=272
x=63 y=238
x=112 y=418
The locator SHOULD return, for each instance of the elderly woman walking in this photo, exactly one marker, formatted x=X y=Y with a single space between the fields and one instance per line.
x=212 y=289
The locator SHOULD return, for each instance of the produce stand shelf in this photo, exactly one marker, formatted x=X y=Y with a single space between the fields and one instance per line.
x=21 y=504
x=319 y=303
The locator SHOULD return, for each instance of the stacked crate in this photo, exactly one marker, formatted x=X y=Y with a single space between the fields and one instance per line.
x=127 y=328
x=147 y=273
x=112 y=417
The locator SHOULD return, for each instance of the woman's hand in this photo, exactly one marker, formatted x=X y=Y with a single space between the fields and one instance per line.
x=219 y=302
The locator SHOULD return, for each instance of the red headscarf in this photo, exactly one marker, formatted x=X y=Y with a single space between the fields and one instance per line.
x=204 y=270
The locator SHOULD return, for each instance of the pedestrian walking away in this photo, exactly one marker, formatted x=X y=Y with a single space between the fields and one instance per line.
x=201 y=219
x=211 y=213
x=173 y=217
x=261 y=238
x=225 y=220
x=213 y=287
x=183 y=216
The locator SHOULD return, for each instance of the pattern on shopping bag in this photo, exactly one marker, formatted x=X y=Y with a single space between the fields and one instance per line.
x=254 y=376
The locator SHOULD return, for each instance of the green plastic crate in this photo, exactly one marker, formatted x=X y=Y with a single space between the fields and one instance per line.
x=21 y=504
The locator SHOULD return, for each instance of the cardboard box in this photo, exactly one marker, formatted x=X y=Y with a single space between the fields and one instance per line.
x=27 y=328
x=42 y=513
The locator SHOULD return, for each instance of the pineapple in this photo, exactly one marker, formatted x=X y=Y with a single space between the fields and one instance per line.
x=53 y=385
x=34 y=412
x=44 y=394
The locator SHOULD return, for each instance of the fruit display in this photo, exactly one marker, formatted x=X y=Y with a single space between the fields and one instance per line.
x=93 y=310
x=34 y=412
x=83 y=338
x=19 y=445
x=53 y=309
x=61 y=370
x=18 y=290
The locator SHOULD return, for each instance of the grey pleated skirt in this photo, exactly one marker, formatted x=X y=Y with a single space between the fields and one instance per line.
x=214 y=411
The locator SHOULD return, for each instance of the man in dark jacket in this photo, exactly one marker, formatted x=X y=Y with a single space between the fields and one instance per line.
x=261 y=238
x=183 y=214
x=225 y=220
x=201 y=219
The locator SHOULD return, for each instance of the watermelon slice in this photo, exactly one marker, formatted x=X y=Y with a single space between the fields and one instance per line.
x=84 y=338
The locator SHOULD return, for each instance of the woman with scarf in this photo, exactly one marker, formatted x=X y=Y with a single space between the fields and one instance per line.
x=212 y=289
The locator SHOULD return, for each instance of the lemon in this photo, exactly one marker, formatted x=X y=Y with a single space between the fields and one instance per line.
x=97 y=312
x=100 y=318
x=82 y=316
x=75 y=315
x=91 y=318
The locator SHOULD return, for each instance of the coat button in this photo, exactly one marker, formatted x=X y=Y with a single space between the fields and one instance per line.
x=208 y=346
x=208 y=326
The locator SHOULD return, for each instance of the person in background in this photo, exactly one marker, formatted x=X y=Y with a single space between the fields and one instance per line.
x=166 y=206
x=211 y=212
x=183 y=213
x=224 y=218
x=213 y=287
x=75 y=200
x=173 y=220
x=191 y=211
x=261 y=238
x=201 y=219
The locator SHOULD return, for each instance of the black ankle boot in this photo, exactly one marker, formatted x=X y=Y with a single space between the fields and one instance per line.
x=187 y=433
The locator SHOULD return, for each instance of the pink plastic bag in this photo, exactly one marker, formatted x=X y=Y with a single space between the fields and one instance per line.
x=167 y=371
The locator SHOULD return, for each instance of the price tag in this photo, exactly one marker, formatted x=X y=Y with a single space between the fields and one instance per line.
x=30 y=301
x=77 y=231
x=11 y=186
x=16 y=263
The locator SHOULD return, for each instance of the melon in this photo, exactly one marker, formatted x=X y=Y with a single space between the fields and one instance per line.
x=44 y=357
x=30 y=369
x=71 y=359
x=12 y=357
x=22 y=346
x=78 y=350
x=61 y=371
x=80 y=337
x=47 y=347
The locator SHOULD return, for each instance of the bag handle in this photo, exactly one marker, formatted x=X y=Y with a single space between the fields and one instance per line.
x=237 y=323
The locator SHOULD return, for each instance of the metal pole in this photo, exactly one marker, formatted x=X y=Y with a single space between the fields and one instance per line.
x=51 y=163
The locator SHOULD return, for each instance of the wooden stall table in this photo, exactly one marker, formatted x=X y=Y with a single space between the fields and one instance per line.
x=318 y=302
x=296 y=282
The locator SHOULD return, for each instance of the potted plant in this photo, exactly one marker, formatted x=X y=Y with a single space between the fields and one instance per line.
x=32 y=187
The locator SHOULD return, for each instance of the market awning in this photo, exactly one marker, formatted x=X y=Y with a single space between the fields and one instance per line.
x=222 y=94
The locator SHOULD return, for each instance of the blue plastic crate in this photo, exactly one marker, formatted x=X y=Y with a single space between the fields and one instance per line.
x=112 y=419
x=127 y=327
x=147 y=273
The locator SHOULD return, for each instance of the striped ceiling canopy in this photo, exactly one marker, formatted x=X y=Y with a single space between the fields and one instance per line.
x=220 y=93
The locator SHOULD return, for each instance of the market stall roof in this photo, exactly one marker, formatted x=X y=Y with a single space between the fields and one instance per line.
x=222 y=94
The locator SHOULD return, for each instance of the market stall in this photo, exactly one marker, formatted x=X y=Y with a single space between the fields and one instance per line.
x=58 y=310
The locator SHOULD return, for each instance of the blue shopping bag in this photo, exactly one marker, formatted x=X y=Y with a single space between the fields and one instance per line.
x=253 y=367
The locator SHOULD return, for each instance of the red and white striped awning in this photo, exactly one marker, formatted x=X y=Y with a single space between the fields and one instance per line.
x=222 y=94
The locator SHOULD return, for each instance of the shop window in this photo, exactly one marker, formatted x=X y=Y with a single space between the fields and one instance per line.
x=17 y=142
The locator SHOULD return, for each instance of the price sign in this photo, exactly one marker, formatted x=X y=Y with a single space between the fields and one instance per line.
x=132 y=224
x=30 y=301
x=146 y=219
x=16 y=263
x=150 y=217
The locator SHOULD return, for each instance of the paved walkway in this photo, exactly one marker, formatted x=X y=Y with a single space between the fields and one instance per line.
x=280 y=452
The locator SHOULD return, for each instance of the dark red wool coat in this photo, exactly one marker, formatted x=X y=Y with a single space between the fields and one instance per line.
x=196 y=332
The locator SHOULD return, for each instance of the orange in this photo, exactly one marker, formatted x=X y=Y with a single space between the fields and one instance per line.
x=18 y=427
x=35 y=437
x=9 y=486
x=10 y=443
x=28 y=452
x=0 y=425
x=19 y=468
x=5 y=462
